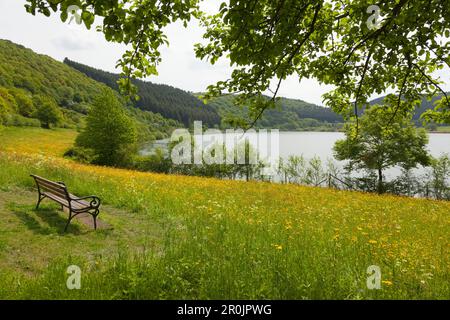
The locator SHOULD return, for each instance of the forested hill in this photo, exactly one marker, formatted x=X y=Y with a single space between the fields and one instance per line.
x=424 y=106
x=30 y=82
x=37 y=74
x=168 y=101
x=26 y=76
x=290 y=115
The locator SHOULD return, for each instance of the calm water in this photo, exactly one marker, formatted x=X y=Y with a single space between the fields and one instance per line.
x=320 y=144
x=310 y=144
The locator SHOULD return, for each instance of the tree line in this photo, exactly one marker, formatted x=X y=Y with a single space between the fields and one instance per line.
x=166 y=100
x=288 y=114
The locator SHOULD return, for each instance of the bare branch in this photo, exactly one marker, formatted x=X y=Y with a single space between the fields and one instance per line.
x=358 y=92
x=408 y=71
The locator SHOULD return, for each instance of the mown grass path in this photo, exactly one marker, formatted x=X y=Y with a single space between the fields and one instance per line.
x=30 y=239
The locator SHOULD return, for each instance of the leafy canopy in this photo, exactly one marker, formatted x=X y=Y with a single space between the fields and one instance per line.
x=109 y=131
x=24 y=102
x=47 y=111
x=268 y=40
x=382 y=140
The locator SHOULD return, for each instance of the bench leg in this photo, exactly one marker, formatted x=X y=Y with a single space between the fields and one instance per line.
x=40 y=198
x=68 y=221
x=94 y=216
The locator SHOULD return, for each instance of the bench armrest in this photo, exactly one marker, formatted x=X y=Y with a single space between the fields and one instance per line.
x=94 y=200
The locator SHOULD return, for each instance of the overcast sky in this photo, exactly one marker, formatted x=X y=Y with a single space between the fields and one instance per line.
x=180 y=68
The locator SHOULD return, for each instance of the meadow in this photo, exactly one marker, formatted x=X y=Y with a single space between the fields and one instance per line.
x=179 y=237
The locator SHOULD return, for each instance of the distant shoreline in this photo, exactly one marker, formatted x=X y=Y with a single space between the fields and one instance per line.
x=337 y=131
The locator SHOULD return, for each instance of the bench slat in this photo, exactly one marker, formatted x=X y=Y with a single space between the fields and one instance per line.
x=80 y=204
x=45 y=180
x=50 y=183
x=61 y=192
x=76 y=205
x=54 y=197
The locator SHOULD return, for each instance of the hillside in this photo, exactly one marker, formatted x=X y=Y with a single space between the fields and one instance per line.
x=39 y=74
x=168 y=101
x=179 y=237
x=424 y=106
x=291 y=115
x=298 y=115
x=26 y=77
x=177 y=104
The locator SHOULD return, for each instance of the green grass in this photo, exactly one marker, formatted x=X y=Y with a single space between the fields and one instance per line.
x=187 y=238
x=35 y=140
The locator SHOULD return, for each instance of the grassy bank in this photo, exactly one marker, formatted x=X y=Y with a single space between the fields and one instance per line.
x=36 y=140
x=189 y=237
x=445 y=129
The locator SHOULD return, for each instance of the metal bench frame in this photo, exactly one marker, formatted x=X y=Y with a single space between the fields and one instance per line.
x=57 y=192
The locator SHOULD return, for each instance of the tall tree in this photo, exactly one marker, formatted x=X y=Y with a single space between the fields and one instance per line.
x=109 y=132
x=341 y=43
x=47 y=111
x=383 y=140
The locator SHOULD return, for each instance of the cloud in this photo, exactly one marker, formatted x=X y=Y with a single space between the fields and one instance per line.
x=74 y=41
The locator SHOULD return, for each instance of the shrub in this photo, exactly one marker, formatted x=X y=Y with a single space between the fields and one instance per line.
x=439 y=178
x=155 y=162
x=83 y=155
x=25 y=105
x=47 y=111
x=20 y=121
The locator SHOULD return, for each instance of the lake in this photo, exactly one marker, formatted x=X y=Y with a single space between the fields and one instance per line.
x=310 y=144
x=320 y=144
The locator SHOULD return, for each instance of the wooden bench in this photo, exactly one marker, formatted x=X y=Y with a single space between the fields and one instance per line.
x=57 y=191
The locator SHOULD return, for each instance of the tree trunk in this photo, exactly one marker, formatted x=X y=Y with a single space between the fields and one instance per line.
x=380 y=181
